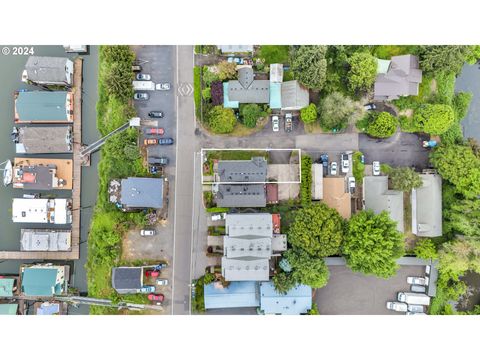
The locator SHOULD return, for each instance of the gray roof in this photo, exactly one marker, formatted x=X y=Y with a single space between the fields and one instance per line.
x=276 y=73
x=253 y=225
x=427 y=207
x=242 y=195
x=294 y=95
x=43 y=177
x=235 y=48
x=246 y=248
x=44 y=140
x=45 y=240
x=402 y=78
x=245 y=171
x=248 y=90
x=245 y=270
x=127 y=280
x=142 y=193
x=42 y=106
x=48 y=70
x=378 y=198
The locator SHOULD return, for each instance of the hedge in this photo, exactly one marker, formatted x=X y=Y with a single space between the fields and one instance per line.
x=306 y=186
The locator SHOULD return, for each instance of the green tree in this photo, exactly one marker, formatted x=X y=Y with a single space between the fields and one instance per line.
x=372 y=244
x=425 y=249
x=460 y=256
x=463 y=217
x=306 y=185
x=250 y=114
x=226 y=70
x=447 y=58
x=283 y=282
x=473 y=55
x=310 y=66
x=434 y=119
x=458 y=165
x=118 y=81
x=405 y=179
x=336 y=111
x=209 y=76
x=461 y=103
x=309 y=114
x=221 y=120
x=383 y=126
x=307 y=270
x=206 y=94
x=318 y=230
x=363 y=71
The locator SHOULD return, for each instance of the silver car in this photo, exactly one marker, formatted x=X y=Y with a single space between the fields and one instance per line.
x=275 y=123
x=397 y=306
x=417 y=280
x=333 y=168
x=376 y=168
x=162 y=282
x=143 y=77
x=418 y=289
x=416 y=308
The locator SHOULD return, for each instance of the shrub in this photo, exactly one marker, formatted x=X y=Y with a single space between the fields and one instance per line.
x=226 y=70
x=363 y=71
x=209 y=76
x=383 y=126
x=405 y=179
x=310 y=66
x=217 y=210
x=425 y=249
x=335 y=111
x=306 y=185
x=454 y=135
x=206 y=94
x=250 y=114
x=434 y=119
x=461 y=103
x=309 y=114
x=358 y=168
x=216 y=93
x=197 y=90
x=221 y=120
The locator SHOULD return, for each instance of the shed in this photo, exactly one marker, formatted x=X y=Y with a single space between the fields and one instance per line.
x=272 y=193
x=127 y=280
x=295 y=302
x=294 y=95
x=238 y=294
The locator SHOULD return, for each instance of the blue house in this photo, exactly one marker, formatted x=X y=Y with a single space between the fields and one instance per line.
x=295 y=302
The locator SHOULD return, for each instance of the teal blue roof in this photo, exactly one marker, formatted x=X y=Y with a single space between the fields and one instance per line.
x=295 y=302
x=226 y=102
x=237 y=294
x=6 y=287
x=275 y=95
x=8 y=309
x=42 y=106
x=41 y=282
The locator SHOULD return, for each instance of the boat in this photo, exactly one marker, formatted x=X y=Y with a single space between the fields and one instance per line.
x=14 y=135
x=7 y=173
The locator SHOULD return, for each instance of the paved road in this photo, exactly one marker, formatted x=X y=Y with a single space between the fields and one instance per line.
x=402 y=149
x=469 y=80
x=184 y=194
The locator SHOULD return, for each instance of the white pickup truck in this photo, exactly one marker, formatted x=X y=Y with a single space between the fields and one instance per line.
x=414 y=298
x=143 y=85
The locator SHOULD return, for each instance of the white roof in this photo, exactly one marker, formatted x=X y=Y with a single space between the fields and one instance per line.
x=61 y=213
x=317 y=181
x=30 y=210
x=245 y=270
x=244 y=247
x=254 y=225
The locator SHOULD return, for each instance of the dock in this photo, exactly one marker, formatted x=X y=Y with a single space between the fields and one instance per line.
x=74 y=254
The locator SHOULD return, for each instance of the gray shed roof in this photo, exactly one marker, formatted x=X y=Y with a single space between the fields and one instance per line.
x=127 y=280
x=294 y=95
x=378 y=198
x=245 y=171
x=402 y=78
x=248 y=90
x=245 y=270
x=46 y=69
x=142 y=193
x=242 y=195
x=427 y=207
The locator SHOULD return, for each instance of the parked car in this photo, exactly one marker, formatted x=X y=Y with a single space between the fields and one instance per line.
x=417 y=280
x=376 y=168
x=345 y=163
x=156 y=114
x=370 y=106
x=156 y=297
x=351 y=184
x=416 y=308
x=160 y=266
x=413 y=298
x=397 y=306
x=418 y=289
x=155 y=131
x=415 y=313
x=217 y=217
x=153 y=160
x=147 y=142
x=143 y=77
x=147 y=289
x=165 y=86
x=136 y=68
x=288 y=122
x=154 y=169
x=152 y=273
x=333 y=168
x=162 y=282
x=324 y=161
x=142 y=96
x=147 y=232
x=236 y=60
x=275 y=123
x=165 y=141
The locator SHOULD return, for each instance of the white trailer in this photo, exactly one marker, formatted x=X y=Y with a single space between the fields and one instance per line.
x=143 y=85
x=414 y=298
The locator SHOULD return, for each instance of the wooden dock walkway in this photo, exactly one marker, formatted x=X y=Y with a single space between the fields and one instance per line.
x=74 y=253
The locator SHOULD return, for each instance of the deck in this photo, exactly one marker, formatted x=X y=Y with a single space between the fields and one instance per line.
x=74 y=254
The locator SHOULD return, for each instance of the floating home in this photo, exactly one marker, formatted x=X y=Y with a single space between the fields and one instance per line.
x=48 y=70
x=43 y=107
x=42 y=174
x=45 y=240
x=42 y=211
x=43 y=140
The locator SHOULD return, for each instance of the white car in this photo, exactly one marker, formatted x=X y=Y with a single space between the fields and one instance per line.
x=397 y=306
x=417 y=280
x=415 y=313
x=376 y=168
x=345 y=163
x=163 y=86
x=418 y=289
x=275 y=123
x=146 y=232
x=162 y=282
x=333 y=168
x=351 y=184
x=416 y=308
x=218 y=217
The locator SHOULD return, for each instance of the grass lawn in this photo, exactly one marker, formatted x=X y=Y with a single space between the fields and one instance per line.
x=387 y=51
x=235 y=155
x=313 y=128
x=275 y=54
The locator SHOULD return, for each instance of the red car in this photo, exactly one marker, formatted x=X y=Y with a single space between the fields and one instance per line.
x=156 y=297
x=155 y=131
x=152 y=273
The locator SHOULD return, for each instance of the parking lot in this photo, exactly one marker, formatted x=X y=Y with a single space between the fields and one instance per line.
x=349 y=293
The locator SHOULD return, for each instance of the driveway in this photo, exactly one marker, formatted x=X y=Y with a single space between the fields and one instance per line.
x=402 y=149
x=349 y=293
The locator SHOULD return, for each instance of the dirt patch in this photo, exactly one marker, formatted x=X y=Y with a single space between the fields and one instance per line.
x=433 y=86
x=407 y=113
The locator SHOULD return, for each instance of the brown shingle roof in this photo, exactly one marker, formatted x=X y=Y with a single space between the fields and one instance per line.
x=334 y=195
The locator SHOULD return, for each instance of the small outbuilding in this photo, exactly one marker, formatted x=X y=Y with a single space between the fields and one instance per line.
x=127 y=280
